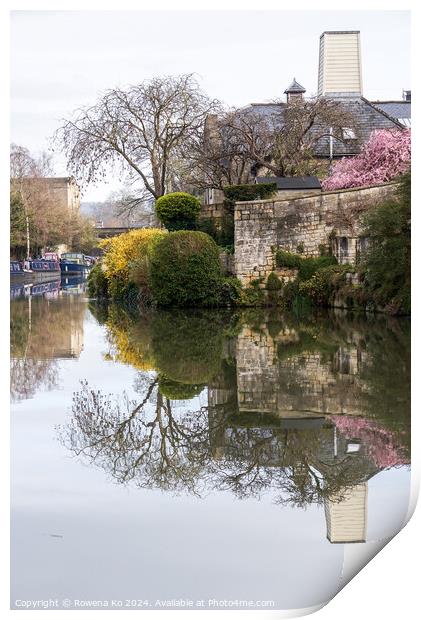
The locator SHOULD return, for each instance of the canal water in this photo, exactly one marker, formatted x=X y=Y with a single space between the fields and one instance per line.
x=201 y=459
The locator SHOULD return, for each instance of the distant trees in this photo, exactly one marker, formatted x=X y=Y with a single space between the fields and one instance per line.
x=31 y=213
x=386 y=155
x=143 y=131
x=37 y=219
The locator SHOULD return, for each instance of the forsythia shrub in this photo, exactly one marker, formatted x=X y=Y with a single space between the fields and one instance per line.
x=124 y=249
x=185 y=270
x=178 y=211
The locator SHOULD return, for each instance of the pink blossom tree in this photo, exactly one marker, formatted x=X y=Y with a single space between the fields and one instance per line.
x=386 y=155
x=383 y=445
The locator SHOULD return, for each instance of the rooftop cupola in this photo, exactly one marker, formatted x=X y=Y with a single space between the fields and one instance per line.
x=294 y=92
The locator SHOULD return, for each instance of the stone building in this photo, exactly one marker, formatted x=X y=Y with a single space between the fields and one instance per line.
x=64 y=191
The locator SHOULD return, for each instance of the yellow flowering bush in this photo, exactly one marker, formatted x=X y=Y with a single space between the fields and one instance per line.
x=121 y=251
x=130 y=341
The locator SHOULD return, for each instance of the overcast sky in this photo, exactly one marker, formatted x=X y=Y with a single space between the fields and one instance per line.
x=61 y=60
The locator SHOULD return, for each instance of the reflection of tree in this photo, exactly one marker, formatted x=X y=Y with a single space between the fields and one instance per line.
x=157 y=448
x=151 y=446
x=227 y=446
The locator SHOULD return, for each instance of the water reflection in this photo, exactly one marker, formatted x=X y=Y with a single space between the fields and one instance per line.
x=46 y=325
x=308 y=410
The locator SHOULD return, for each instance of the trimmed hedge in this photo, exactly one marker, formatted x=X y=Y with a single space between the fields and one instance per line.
x=258 y=191
x=178 y=211
x=185 y=270
x=174 y=390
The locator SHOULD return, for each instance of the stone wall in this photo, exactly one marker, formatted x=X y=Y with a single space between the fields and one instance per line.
x=301 y=225
x=214 y=212
x=308 y=384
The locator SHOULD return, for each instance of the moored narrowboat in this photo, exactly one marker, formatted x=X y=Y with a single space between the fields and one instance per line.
x=34 y=270
x=74 y=263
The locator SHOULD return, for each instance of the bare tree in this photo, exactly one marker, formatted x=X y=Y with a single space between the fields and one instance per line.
x=139 y=130
x=29 y=190
x=282 y=140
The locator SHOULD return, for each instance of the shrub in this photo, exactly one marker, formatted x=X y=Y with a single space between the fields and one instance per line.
x=185 y=270
x=307 y=267
x=121 y=251
x=97 y=283
x=178 y=211
x=258 y=191
x=187 y=346
x=223 y=235
x=174 y=390
x=230 y=292
x=288 y=259
x=320 y=287
x=387 y=262
x=273 y=282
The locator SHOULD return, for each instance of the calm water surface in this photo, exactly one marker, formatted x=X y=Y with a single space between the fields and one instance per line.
x=210 y=459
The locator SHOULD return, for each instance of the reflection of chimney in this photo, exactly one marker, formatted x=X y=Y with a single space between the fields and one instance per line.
x=346 y=520
x=340 y=64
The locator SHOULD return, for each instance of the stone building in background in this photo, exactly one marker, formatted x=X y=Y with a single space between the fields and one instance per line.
x=64 y=191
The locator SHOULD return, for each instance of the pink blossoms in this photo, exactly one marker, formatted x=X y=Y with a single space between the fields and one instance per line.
x=386 y=155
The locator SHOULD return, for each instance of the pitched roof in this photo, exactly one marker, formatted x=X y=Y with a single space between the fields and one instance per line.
x=304 y=182
x=396 y=109
x=295 y=87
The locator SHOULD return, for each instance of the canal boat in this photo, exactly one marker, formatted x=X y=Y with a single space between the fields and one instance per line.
x=34 y=270
x=76 y=264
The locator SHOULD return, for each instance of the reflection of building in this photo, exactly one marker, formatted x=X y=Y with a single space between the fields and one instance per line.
x=274 y=412
x=48 y=327
x=346 y=520
x=279 y=374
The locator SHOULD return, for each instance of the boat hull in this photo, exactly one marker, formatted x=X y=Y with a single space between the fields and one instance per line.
x=74 y=269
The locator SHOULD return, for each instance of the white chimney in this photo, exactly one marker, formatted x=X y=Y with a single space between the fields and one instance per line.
x=340 y=64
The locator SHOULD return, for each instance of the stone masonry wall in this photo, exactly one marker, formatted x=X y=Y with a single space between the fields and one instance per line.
x=214 y=212
x=300 y=224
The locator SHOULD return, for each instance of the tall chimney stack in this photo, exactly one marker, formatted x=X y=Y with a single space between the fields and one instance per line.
x=340 y=64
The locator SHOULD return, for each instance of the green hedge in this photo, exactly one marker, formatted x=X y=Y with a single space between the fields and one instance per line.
x=307 y=267
x=185 y=270
x=187 y=345
x=97 y=283
x=178 y=211
x=174 y=390
x=258 y=191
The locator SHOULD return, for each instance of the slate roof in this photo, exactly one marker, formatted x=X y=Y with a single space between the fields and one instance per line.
x=367 y=118
x=304 y=182
x=397 y=109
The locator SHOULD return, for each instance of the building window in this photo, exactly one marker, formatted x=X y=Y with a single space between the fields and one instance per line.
x=348 y=133
x=353 y=447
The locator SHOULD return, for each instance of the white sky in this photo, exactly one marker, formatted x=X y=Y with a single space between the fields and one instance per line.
x=61 y=60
